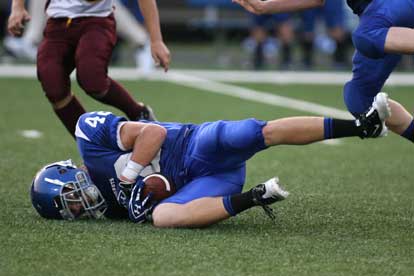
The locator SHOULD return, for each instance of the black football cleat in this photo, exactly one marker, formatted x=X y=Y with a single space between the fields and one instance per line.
x=268 y=193
x=372 y=122
x=147 y=114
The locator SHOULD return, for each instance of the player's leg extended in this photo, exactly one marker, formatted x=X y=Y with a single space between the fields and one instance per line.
x=306 y=130
x=54 y=64
x=369 y=76
x=228 y=144
x=93 y=54
x=294 y=131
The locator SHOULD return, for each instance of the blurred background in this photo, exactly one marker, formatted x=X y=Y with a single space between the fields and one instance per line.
x=216 y=34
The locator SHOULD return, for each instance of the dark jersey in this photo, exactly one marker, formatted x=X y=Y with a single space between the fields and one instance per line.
x=358 y=6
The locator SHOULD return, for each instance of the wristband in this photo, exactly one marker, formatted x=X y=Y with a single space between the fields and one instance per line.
x=132 y=170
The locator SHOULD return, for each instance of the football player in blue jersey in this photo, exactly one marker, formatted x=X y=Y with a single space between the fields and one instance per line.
x=206 y=163
x=385 y=32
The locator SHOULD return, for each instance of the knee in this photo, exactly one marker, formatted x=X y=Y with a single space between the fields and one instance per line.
x=348 y=94
x=350 y=99
x=93 y=80
x=356 y=102
x=169 y=216
x=243 y=135
x=161 y=221
x=268 y=134
x=370 y=42
x=275 y=133
x=55 y=87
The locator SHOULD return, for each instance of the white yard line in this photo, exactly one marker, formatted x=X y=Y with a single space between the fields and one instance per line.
x=198 y=80
x=291 y=77
x=275 y=77
x=255 y=96
x=20 y=71
x=187 y=78
x=261 y=97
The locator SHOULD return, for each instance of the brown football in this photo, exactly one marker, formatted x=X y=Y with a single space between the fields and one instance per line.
x=158 y=185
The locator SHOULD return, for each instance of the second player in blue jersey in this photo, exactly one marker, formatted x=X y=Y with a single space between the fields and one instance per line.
x=385 y=32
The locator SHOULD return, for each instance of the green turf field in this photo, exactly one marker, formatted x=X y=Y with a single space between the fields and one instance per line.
x=350 y=212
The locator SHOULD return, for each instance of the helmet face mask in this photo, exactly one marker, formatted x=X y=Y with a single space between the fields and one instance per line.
x=62 y=191
x=80 y=199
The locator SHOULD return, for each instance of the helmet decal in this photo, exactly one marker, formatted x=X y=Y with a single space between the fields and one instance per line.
x=54 y=181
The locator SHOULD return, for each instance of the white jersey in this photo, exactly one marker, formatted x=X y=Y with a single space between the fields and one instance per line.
x=79 y=8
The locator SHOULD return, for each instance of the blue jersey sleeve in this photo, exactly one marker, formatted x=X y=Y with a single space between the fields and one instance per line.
x=100 y=128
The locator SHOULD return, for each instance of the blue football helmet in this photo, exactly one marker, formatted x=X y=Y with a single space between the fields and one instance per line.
x=62 y=191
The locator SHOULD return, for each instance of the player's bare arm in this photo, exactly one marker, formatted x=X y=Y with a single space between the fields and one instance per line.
x=159 y=50
x=18 y=17
x=400 y=41
x=145 y=140
x=278 y=6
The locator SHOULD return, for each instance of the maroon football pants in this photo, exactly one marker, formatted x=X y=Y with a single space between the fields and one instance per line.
x=86 y=44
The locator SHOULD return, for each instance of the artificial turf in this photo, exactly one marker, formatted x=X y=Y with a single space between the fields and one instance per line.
x=350 y=211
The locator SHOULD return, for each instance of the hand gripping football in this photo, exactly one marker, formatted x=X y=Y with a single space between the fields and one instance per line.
x=158 y=185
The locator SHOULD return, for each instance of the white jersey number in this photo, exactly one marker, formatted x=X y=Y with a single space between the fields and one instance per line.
x=93 y=121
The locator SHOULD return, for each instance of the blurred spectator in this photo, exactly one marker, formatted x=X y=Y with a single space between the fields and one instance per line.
x=333 y=13
x=282 y=26
x=130 y=27
x=133 y=7
x=26 y=46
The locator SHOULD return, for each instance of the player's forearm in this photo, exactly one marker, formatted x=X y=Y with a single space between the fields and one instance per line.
x=148 y=143
x=149 y=10
x=145 y=145
x=279 y=6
